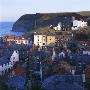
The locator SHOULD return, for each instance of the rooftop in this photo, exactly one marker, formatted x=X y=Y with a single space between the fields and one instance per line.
x=81 y=58
x=58 y=82
x=87 y=48
x=6 y=57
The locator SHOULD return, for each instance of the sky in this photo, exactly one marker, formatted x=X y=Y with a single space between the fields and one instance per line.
x=11 y=10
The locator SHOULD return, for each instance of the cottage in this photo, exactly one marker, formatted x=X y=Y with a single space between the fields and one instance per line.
x=44 y=39
x=9 y=38
x=17 y=40
x=87 y=50
x=84 y=43
x=63 y=37
x=58 y=27
x=78 y=24
x=61 y=55
x=63 y=82
x=8 y=60
x=50 y=39
x=21 y=40
x=40 y=40
x=15 y=56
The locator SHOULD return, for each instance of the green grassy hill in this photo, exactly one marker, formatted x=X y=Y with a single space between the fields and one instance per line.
x=29 y=22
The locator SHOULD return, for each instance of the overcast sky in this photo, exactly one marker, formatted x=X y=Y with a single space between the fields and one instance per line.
x=11 y=10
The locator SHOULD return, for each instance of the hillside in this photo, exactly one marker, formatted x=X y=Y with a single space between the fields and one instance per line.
x=84 y=13
x=29 y=22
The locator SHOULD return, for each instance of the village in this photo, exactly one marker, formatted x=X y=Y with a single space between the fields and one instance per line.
x=33 y=61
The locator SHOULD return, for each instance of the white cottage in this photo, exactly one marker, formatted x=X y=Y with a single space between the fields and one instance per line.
x=40 y=40
x=58 y=27
x=78 y=23
x=8 y=60
x=21 y=40
x=61 y=55
x=43 y=39
x=15 y=56
x=86 y=51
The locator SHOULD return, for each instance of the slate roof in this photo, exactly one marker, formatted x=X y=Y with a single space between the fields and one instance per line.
x=81 y=58
x=57 y=82
x=21 y=38
x=6 y=57
x=17 y=81
x=65 y=86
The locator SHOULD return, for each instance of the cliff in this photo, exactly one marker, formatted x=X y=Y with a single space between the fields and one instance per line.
x=28 y=22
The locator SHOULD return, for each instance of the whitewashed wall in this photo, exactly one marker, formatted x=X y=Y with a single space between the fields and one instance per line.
x=86 y=52
x=14 y=58
x=39 y=39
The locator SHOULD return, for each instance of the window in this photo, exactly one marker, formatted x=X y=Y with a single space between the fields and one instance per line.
x=38 y=43
x=43 y=43
x=18 y=41
x=21 y=42
x=13 y=58
x=16 y=51
x=43 y=39
x=37 y=36
x=26 y=42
